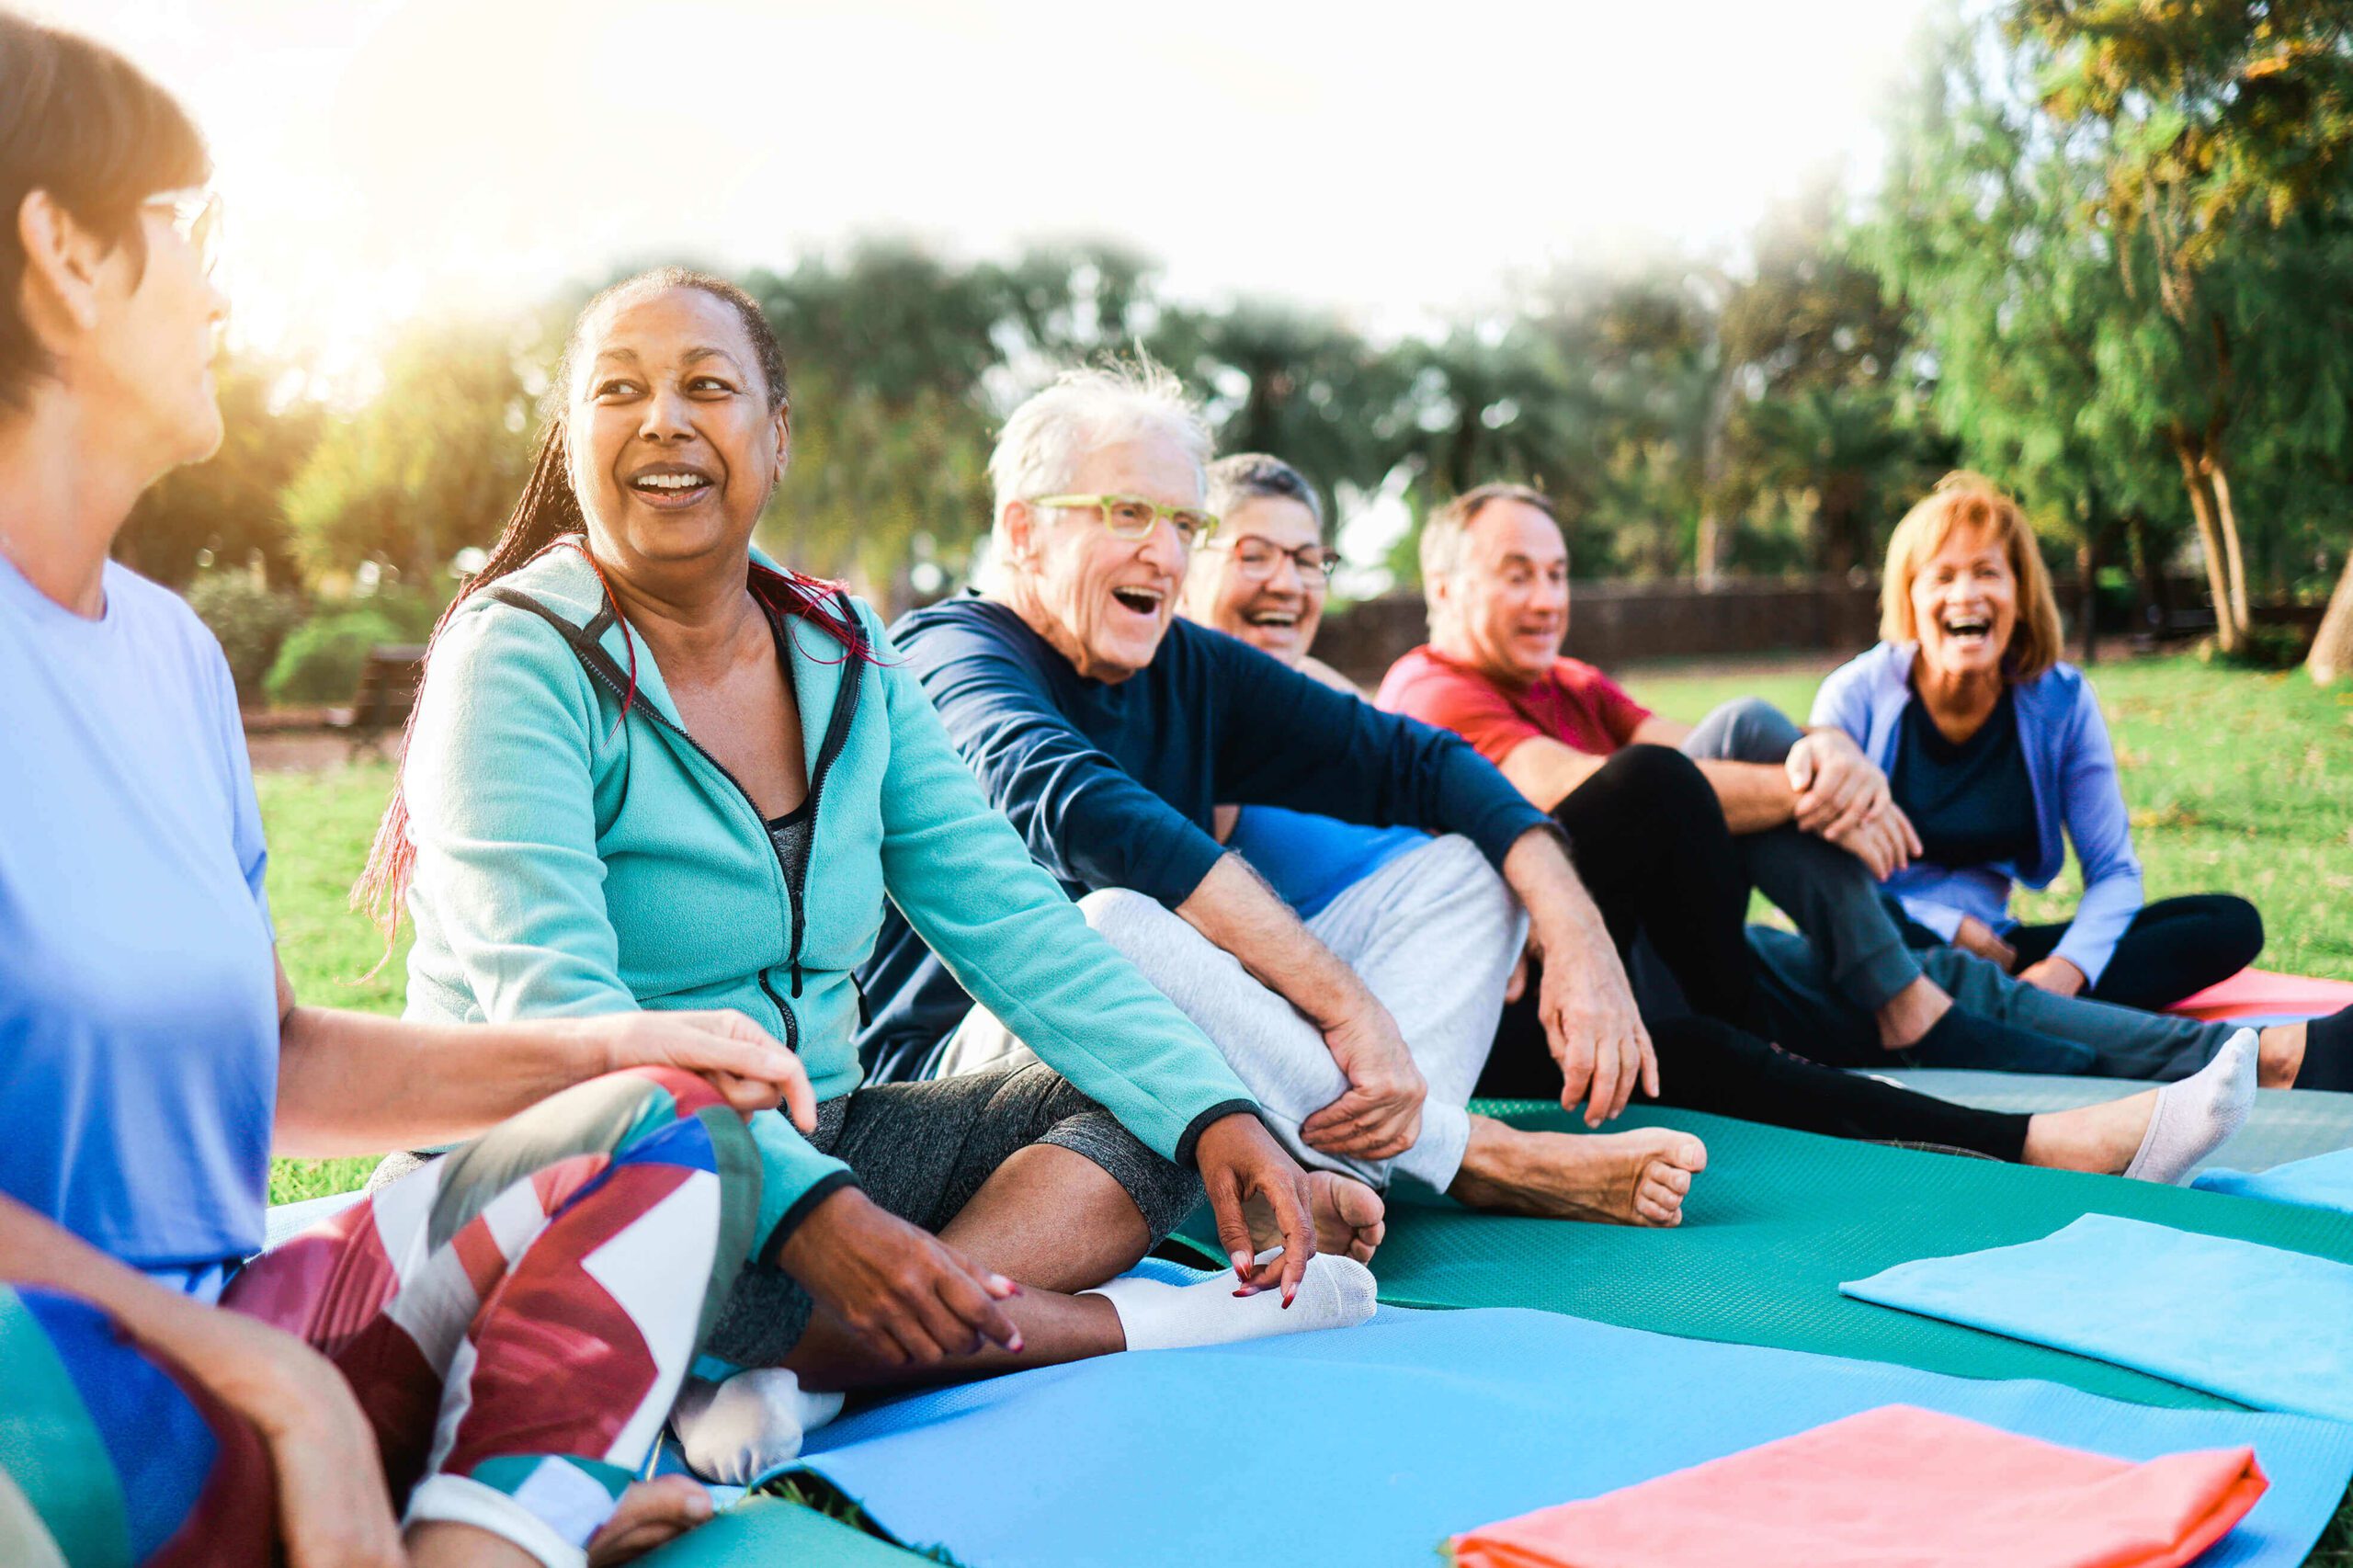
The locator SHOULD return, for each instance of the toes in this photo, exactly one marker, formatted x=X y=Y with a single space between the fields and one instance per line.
x=1674 y=1178
x=1688 y=1153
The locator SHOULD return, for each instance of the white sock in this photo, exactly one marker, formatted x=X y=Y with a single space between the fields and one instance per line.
x=1337 y=1292
x=745 y=1428
x=2195 y=1116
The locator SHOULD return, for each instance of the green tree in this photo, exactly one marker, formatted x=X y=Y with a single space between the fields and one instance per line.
x=226 y=510
x=432 y=462
x=2216 y=124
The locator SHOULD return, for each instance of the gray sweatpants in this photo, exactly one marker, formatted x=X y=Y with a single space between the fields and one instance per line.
x=1829 y=894
x=1800 y=1004
x=1824 y=985
x=1433 y=934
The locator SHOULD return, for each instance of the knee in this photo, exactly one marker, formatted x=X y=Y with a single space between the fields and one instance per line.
x=1122 y=916
x=1659 y=782
x=2238 y=928
x=1755 y=731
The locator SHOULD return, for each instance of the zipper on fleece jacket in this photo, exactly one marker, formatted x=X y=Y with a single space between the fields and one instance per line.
x=602 y=670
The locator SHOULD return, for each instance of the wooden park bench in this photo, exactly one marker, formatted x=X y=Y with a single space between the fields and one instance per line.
x=387 y=691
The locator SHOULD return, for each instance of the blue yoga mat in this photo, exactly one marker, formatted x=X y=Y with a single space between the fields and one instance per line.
x=2324 y=1181
x=1368 y=1445
x=2269 y=1328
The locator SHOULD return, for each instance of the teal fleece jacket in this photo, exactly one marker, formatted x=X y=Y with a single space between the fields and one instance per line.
x=572 y=861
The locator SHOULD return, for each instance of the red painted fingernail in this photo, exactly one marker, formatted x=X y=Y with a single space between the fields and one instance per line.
x=1015 y=1346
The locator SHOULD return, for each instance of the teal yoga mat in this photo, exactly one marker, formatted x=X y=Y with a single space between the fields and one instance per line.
x=1780 y=1219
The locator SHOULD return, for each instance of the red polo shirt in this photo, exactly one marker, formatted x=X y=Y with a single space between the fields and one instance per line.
x=1572 y=703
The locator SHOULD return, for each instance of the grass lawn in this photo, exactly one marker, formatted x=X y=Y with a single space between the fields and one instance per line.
x=2238 y=782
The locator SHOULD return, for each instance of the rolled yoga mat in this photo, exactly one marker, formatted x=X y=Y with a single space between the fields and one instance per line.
x=1369 y=1446
x=1779 y=1220
x=2285 y=1125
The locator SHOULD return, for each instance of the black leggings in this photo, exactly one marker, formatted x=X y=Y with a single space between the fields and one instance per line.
x=2174 y=948
x=1707 y=1065
x=1650 y=844
x=1649 y=840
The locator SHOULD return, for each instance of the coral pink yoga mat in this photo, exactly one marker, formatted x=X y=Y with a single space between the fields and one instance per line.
x=1895 y=1484
x=2259 y=993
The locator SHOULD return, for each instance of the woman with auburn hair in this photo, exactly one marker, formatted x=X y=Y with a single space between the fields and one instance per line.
x=1995 y=751
x=471 y=1368
x=649 y=769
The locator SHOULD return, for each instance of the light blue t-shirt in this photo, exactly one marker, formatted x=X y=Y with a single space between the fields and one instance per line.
x=138 y=993
x=1310 y=860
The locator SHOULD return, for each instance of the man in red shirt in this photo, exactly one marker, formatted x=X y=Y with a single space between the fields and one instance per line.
x=1673 y=824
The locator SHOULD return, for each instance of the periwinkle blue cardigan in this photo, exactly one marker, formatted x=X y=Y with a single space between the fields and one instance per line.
x=571 y=862
x=2071 y=765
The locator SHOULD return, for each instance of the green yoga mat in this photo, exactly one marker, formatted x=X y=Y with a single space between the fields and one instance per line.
x=769 y=1530
x=1778 y=1220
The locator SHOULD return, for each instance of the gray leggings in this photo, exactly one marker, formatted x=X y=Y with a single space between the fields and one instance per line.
x=1824 y=985
x=922 y=1150
x=1434 y=935
x=1829 y=894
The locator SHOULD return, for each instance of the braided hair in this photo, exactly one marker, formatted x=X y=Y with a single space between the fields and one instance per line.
x=547 y=516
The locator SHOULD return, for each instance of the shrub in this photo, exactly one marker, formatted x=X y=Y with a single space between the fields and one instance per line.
x=250 y=620
x=321 y=662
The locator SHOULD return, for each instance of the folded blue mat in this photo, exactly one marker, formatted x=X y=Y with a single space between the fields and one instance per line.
x=1368 y=1445
x=2324 y=1181
x=2269 y=1328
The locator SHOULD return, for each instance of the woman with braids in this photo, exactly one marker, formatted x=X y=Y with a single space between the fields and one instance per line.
x=649 y=769
x=483 y=1353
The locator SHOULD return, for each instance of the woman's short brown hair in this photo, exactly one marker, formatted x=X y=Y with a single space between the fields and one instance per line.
x=1966 y=500
x=91 y=128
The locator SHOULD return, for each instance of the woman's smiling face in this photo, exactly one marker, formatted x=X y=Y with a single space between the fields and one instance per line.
x=1965 y=603
x=673 y=441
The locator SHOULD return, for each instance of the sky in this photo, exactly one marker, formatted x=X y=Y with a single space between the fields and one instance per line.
x=383 y=158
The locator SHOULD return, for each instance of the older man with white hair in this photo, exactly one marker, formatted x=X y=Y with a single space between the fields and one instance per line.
x=1108 y=731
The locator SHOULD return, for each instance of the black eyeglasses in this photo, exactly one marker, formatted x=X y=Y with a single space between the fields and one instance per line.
x=1256 y=559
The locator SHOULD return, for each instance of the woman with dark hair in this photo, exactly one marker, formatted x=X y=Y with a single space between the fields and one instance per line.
x=168 y=1400
x=649 y=769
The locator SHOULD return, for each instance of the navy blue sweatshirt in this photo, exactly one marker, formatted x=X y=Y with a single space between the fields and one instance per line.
x=1112 y=785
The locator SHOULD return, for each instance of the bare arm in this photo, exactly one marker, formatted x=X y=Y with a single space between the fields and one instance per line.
x=1546 y=771
x=353 y=1083
x=1591 y=1023
x=332 y=1506
x=1380 y=1115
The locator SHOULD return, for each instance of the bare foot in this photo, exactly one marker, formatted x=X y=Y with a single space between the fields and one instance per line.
x=650 y=1514
x=1617 y=1178
x=1348 y=1217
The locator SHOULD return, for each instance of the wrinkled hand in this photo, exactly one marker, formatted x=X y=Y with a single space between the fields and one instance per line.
x=741 y=1060
x=1885 y=843
x=333 y=1508
x=1975 y=936
x=1595 y=1032
x=1239 y=1160
x=1839 y=788
x=914 y=1299
x=1381 y=1114
x=1516 y=986
x=2056 y=975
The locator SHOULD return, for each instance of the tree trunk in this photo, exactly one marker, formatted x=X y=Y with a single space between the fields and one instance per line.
x=2087 y=566
x=2227 y=627
x=2230 y=522
x=2332 y=653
